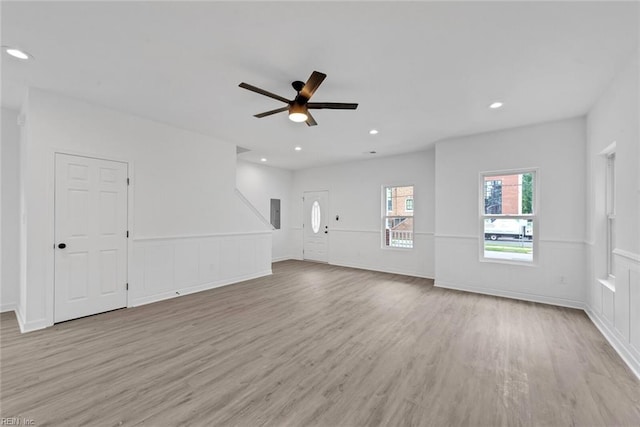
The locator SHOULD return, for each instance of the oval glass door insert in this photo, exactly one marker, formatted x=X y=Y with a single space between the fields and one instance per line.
x=315 y=217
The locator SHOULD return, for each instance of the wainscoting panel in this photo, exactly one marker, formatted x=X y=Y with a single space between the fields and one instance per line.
x=608 y=304
x=168 y=267
x=557 y=278
x=360 y=248
x=363 y=249
x=634 y=308
x=619 y=320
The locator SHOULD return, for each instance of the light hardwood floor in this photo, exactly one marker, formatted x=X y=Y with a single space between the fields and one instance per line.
x=317 y=345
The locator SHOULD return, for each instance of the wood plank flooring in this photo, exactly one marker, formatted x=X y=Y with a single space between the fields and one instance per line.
x=318 y=345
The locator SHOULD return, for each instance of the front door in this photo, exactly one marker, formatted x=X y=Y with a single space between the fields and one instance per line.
x=315 y=224
x=90 y=236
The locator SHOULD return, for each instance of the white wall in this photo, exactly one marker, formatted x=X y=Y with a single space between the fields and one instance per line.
x=183 y=187
x=355 y=191
x=259 y=184
x=615 y=306
x=557 y=150
x=10 y=271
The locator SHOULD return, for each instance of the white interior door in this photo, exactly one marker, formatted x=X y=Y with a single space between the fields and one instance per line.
x=91 y=236
x=315 y=224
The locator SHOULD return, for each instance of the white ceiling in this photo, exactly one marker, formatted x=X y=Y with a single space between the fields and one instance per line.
x=421 y=71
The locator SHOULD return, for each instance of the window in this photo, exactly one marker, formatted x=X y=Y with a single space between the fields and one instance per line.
x=397 y=222
x=408 y=205
x=508 y=216
x=610 y=200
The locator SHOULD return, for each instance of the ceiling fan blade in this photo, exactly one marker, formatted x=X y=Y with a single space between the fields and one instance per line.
x=312 y=84
x=332 y=105
x=310 y=120
x=263 y=92
x=268 y=113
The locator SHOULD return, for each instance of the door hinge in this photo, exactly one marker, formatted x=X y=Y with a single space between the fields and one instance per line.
x=127 y=286
x=128 y=182
x=127 y=234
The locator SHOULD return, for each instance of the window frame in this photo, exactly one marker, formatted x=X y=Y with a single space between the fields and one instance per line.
x=610 y=212
x=385 y=216
x=533 y=216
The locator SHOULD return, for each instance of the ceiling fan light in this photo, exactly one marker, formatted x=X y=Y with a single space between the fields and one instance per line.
x=298 y=117
x=298 y=113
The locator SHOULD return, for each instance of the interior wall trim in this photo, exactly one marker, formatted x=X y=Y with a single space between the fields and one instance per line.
x=476 y=237
x=199 y=236
x=561 y=302
x=32 y=325
x=626 y=254
x=11 y=306
x=627 y=356
x=562 y=241
x=253 y=209
x=371 y=231
x=354 y=230
x=381 y=270
x=136 y=302
x=456 y=236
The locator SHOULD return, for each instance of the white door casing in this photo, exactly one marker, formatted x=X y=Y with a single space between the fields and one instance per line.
x=90 y=236
x=315 y=223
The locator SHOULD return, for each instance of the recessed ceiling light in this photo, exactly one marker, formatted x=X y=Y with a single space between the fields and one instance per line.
x=263 y=159
x=298 y=148
x=373 y=132
x=495 y=105
x=16 y=53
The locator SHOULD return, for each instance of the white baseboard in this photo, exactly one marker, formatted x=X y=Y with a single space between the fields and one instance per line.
x=619 y=346
x=363 y=267
x=562 y=302
x=11 y=306
x=193 y=289
x=19 y=318
x=282 y=258
x=382 y=270
x=32 y=325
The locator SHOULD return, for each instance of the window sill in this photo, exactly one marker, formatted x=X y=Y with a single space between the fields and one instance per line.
x=509 y=262
x=609 y=283
x=391 y=248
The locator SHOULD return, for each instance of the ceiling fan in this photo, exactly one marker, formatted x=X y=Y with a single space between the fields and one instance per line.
x=299 y=107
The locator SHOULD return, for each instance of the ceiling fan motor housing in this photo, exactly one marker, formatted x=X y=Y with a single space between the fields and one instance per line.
x=297 y=85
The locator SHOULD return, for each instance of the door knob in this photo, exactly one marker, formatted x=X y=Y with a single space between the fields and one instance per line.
x=62 y=245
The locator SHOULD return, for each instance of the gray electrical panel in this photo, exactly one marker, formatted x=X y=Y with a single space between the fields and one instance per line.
x=275 y=213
